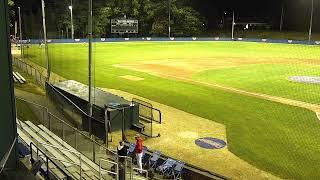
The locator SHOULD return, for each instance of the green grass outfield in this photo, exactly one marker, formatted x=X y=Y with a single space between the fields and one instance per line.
x=281 y=139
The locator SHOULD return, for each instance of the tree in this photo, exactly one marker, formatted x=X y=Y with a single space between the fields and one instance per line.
x=11 y=12
x=152 y=16
x=185 y=21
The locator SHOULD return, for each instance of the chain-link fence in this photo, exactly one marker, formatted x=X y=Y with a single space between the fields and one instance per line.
x=37 y=75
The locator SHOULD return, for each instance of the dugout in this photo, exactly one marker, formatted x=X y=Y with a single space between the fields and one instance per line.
x=110 y=111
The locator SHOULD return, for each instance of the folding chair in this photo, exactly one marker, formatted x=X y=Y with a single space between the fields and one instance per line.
x=152 y=161
x=177 y=170
x=144 y=150
x=130 y=151
x=166 y=167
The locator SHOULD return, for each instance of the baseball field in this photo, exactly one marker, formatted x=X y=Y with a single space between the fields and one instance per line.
x=271 y=122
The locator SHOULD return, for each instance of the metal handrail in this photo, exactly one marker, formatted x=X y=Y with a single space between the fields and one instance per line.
x=130 y=161
x=70 y=162
x=152 y=108
x=47 y=160
x=110 y=172
x=4 y=160
x=73 y=128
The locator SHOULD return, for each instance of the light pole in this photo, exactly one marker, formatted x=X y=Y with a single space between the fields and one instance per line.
x=45 y=39
x=281 y=19
x=90 y=72
x=169 y=1
x=71 y=17
x=20 y=29
x=233 y=23
x=311 y=21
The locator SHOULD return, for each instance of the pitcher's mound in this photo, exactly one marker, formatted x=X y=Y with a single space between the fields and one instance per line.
x=305 y=79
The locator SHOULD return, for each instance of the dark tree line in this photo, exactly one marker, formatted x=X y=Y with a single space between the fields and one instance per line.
x=152 y=16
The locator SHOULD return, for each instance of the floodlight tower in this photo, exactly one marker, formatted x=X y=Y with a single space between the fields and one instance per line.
x=71 y=19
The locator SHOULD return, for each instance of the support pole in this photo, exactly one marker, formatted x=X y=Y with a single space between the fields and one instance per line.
x=233 y=23
x=281 y=19
x=90 y=74
x=169 y=26
x=72 y=28
x=311 y=22
x=45 y=40
x=20 y=31
x=15 y=29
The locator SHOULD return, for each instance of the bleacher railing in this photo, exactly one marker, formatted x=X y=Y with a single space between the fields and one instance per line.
x=6 y=156
x=105 y=172
x=148 y=115
x=78 y=140
x=47 y=160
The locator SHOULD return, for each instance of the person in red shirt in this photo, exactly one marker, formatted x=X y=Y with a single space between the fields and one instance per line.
x=138 y=151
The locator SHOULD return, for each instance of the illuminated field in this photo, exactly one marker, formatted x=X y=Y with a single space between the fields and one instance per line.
x=217 y=81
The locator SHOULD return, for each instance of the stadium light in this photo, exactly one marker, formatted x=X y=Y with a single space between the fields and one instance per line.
x=311 y=21
x=233 y=23
x=20 y=29
x=71 y=18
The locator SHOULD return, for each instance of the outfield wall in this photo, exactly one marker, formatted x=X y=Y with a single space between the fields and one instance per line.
x=145 y=39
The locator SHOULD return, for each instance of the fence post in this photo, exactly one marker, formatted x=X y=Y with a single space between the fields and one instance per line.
x=76 y=141
x=49 y=120
x=43 y=116
x=80 y=167
x=63 y=133
x=93 y=151
x=47 y=167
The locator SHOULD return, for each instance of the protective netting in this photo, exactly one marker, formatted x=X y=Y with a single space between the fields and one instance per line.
x=255 y=92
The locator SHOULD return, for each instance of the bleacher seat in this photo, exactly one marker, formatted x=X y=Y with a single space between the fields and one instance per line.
x=67 y=158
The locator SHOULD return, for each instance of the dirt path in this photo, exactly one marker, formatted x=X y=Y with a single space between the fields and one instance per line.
x=179 y=131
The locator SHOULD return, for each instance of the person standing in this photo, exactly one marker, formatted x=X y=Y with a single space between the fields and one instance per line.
x=138 y=151
x=122 y=152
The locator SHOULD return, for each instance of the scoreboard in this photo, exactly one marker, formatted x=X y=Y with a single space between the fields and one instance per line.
x=124 y=26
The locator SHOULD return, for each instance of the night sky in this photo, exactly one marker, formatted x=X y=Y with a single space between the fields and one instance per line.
x=296 y=12
x=296 y=16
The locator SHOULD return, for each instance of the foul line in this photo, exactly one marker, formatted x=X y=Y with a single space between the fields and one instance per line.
x=313 y=107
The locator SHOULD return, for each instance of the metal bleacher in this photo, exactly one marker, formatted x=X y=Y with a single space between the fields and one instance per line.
x=83 y=158
x=69 y=159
